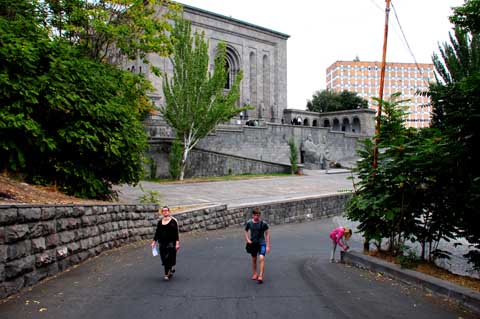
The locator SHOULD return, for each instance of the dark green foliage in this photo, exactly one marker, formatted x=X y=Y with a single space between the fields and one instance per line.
x=66 y=119
x=408 y=258
x=175 y=158
x=400 y=199
x=467 y=16
x=458 y=59
x=427 y=184
x=330 y=101
x=293 y=155
x=456 y=109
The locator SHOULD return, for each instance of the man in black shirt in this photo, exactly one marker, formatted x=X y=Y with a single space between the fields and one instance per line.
x=258 y=241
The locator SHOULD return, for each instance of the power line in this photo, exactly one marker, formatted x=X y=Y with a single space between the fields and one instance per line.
x=376 y=5
x=409 y=49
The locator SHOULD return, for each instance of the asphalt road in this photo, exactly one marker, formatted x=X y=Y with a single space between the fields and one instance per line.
x=213 y=281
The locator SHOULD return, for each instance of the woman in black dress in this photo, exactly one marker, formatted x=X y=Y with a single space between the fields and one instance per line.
x=166 y=235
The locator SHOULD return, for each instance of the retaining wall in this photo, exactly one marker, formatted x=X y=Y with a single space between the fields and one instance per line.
x=209 y=163
x=39 y=241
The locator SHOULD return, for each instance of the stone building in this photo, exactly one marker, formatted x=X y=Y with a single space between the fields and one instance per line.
x=259 y=52
x=257 y=141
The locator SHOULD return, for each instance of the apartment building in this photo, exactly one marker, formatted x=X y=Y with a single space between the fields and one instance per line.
x=364 y=78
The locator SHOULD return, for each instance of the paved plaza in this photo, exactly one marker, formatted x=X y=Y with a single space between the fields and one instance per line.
x=243 y=192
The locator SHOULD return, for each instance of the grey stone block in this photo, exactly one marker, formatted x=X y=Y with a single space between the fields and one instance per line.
x=15 y=233
x=3 y=253
x=29 y=214
x=45 y=258
x=8 y=216
x=18 y=267
x=48 y=213
x=52 y=241
x=42 y=229
x=19 y=249
x=66 y=237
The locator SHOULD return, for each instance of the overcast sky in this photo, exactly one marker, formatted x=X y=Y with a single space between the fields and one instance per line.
x=324 y=31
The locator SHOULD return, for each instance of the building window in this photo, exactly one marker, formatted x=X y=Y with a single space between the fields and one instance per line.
x=232 y=66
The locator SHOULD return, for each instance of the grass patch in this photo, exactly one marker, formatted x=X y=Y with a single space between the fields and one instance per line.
x=218 y=178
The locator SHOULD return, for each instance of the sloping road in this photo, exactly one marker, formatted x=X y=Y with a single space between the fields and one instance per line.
x=212 y=281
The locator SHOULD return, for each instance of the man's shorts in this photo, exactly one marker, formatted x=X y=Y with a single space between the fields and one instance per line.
x=259 y=249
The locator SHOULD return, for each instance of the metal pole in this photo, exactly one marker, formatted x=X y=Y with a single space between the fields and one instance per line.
x=382 y=81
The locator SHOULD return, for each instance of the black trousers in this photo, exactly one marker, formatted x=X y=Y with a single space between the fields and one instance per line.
x=168 y=254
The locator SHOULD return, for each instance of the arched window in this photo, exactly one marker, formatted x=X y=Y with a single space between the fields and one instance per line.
x=253 y=79
x=346 y=125
x=266 y=82
x=336 y=125
x=326 y=123
x=356 y=127
x=306 y=122
x=315 y=123
x=232 y=65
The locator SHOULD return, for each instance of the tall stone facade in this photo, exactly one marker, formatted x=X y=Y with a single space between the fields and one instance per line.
x=256 y=141
x=259 y=52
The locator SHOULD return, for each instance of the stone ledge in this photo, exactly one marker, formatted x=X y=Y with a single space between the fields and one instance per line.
x=467 y=297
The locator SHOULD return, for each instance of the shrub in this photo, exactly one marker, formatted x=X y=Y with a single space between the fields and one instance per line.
x=175 y=159
x=293 y=155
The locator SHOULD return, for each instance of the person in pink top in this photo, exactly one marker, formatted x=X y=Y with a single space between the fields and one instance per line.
x=339 y=236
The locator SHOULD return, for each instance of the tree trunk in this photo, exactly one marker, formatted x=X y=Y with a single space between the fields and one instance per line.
x=183 y=164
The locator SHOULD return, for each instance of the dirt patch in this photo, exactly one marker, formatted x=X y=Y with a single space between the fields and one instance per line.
x=14 y=191
x=435 y=271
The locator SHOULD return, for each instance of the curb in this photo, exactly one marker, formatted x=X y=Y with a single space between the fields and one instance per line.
x=465 y=296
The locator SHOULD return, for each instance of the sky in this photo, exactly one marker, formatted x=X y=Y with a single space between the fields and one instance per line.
x=324 y=31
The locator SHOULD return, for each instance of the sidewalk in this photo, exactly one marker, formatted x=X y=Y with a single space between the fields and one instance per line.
x=465 y=296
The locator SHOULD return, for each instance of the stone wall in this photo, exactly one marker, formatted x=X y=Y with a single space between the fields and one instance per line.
x=280 y=212
x=208 y=163
x=39 y=241
x=267 y=143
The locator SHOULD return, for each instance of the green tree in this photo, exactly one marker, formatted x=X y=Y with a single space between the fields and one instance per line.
x=110 y=30
x=195 y=100
x=456 y=110
x=331 y=101
x=467 y=16
x=379 y=202
x=66 y=119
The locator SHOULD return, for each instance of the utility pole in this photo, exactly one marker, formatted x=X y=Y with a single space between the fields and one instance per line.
x=382 y=81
